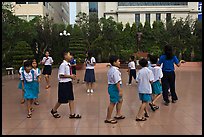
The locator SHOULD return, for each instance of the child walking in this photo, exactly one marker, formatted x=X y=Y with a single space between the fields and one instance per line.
x=37 y=79
x=73 y=64
x=47 y=61
x=65 y=88
x=144 y=79
x=20 y=82
x=131 y=69
x=89 y=77
x=156 y=85
x=114 y=90
x=27 y=78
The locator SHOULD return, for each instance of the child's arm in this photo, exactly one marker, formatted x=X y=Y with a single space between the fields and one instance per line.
x=39 y=78
x=119 y=89
x=23 y=85
x=67 y=76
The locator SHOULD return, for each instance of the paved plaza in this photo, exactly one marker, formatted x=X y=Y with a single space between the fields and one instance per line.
x=181 y=118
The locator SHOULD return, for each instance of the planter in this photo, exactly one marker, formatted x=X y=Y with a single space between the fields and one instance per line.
x=79 y=66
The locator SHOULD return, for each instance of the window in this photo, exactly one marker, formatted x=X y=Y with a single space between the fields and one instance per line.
x=137 y=19
x=148 y=17
x=32 y=2
x=158 y=16
x=24 y=17
x=20 y=2
x=168 y=17
x=93 y=6
x=152 y=3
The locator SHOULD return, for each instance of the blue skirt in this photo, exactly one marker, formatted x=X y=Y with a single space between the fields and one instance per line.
x=156 y=87
x=29 y=92
x=36 y=86
x=114 y=93
x=89 y=75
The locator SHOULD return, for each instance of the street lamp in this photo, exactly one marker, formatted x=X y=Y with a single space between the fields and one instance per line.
x=139 y=35
x=64 y=33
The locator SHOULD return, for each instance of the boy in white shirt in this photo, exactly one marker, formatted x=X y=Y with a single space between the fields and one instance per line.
x=65 y=87
x=156 y=85
x=144 y=79
x=131 y=69
x=114 y=90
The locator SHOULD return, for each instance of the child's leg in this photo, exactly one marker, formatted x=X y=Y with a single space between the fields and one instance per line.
x=141 y=110
x=130 y=77
x=29 y=105
x=47 y=79
x=23 y=100
x=56 y=106
x=156 y=97
x=118 y=108
x=71 y=106
x=91 y=85
x=87 y=85
x=110 y=110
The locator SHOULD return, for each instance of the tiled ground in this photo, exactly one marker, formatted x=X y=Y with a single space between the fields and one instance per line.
x=183 y=117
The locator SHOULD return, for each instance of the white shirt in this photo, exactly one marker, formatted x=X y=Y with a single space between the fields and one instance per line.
x=144 y=77
x=64 y=69
x=157 y=71
x=28 y=76
x=114 y=75
x=88 y=66
x=131 y=65
x=36 y=73
x=20 y=70
x=48 y=61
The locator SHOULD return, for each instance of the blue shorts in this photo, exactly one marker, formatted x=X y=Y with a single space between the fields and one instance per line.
x=114 y=93
x=145 y=97
x=156 y=87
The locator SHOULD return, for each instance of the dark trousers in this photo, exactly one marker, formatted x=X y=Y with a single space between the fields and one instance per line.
x=168 y=81
x=132 y=74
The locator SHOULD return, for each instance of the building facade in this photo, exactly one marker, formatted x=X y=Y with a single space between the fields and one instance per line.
x=140 y=11
x=58 y=11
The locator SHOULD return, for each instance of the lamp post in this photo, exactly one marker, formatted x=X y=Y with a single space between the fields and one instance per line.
x=192 y=52
x=139 y=35
x=64 y=34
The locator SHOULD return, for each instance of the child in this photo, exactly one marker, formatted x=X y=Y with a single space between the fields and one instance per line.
x=89 y=77
x=73 y=64
x=65 y=88
x=131 y=69
x=47 y=61
x=114 y=90
x=144 y=79
x=27 y=77
x=156 y=85
x=37 y=79
x=20 y=82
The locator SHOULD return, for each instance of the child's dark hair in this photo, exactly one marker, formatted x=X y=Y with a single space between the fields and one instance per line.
x=153 y=59
x=132 y=58
x=113 y=59
x=64 y=52
x=143 y=62
x=27 y=63
x=90 y=54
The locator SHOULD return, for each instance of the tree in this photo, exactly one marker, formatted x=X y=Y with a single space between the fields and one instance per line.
x=21 y=52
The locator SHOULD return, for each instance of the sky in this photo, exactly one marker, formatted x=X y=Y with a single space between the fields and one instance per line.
x=72 y=12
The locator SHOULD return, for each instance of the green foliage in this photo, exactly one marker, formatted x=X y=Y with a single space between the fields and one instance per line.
x=21 y=52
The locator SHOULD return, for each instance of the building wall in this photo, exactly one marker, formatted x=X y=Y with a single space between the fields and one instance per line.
x=58 y=11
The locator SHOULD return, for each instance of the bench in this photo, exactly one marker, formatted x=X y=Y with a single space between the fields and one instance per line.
x=10 y=70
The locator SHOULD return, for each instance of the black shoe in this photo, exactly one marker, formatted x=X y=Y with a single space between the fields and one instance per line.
x=156 y=107
x=151 y=106
x=166 y=103
x=146 y=115
x=173 y=101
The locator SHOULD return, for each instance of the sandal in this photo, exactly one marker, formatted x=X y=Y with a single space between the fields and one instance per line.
x=29 y=115
x=31 y=109
x=55 y=114
x=112 y=121
x=152 y=106
x=75 y=116
x=146 y=115
x=22 y=101
x=141 y=119
x=36 y=103
x=120 y=117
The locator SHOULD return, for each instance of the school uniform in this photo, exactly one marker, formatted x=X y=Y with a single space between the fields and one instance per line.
x=89 y=74
x=131 y=66
x=35 y=82
x=29 y=89
x=20 y=82
x=65 y=87
x=47 y=66
x=114 y=76
x=156 y=85
x=143 y=78
x=168 y=79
